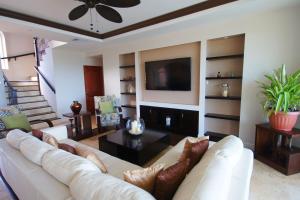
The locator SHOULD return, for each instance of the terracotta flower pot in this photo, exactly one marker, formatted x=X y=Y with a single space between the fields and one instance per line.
x=283 y=121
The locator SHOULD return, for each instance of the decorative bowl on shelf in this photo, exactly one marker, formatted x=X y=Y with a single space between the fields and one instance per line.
x=135 y=127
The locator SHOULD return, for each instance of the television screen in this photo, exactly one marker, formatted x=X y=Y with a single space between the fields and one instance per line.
x=174 y=74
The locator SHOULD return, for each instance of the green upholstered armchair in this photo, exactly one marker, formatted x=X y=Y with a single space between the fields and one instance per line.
x=108 y=111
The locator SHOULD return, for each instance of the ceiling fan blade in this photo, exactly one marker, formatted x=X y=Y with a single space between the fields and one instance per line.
x=109 y=13
x=78 y=12
x=119 y=3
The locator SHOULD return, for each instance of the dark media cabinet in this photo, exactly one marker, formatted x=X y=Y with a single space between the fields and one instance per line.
x=181 y=122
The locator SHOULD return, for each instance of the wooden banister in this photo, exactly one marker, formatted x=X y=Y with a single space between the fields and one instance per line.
x=45 y=79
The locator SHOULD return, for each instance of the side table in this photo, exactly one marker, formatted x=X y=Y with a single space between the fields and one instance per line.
x=82 y=126
x=274 y=148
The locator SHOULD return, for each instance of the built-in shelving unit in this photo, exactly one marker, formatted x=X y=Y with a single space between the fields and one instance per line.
x=223 y=98
x=127 y=84
x=224 y=65
x=225 y=57
x=222 y=116
x=225 y=77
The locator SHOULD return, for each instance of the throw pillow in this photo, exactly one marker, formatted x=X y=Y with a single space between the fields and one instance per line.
x=168 y=180
x=3 y=113
x=197 y=151
x=37 y=133
x=91 y=156
x=188 y=145
x=106 y=107
x=194 y=151
x=50 y=140
x=18 y=121
x=67 y=148
x=143 y=178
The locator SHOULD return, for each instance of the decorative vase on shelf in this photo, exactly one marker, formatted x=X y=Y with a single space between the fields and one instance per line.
x=225 y=89
x=76 y=107
x=135 y=127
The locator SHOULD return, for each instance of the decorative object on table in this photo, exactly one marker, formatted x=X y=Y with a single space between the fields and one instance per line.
x=225 y=89
x=130 y=88
x=219 y=75
x=282 y=98
x=76 y=107
x=135 y=127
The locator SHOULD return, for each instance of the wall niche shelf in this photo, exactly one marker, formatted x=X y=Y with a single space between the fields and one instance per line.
x=230 y=66
x=222 y=116
x=127 y=80
x=223 y=98
x=128 y=93
x=127 y=66
x=129 y=106
x=225 y=57
x=223 y=78
x=215 y=136
x=128 y=84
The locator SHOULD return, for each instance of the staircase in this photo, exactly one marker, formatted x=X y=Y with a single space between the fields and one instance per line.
x=33 y=104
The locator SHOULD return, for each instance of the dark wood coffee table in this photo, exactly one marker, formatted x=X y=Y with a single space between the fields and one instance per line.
x=135 y=149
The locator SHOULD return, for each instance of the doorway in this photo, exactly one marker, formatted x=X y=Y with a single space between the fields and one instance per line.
x=94 y=85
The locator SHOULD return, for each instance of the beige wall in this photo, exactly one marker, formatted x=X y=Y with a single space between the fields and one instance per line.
x=267 y=46
x=22 y=68
x=180 y=51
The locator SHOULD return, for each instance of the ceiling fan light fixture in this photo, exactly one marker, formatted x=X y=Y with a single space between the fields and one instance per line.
x=103 y=8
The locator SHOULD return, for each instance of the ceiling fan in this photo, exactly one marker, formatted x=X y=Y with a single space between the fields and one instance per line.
x=103 y=8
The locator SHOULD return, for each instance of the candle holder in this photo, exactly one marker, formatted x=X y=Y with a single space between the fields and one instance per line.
x=135 y=127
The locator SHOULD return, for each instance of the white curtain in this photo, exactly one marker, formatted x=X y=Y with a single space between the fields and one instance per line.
x=3 y=52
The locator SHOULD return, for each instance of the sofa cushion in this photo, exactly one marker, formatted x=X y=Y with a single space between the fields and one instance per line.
x=64 y=166
x=188 y=146
x=95 y=186
x=91 y=156
x=143 y=178
x=15 y=137
x=168 y=180
x=115 y=166
x=215 y=168
x=34 y=149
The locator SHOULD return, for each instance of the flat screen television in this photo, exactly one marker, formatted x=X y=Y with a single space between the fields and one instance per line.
x=174 y=74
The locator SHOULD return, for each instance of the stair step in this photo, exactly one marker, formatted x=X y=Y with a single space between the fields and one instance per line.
x=51 y=119
x=28 y=93
x=37 y=111
x=25 y=88
x=30 y=99
x=23 y=83
x=47 y=115
x=31 y=105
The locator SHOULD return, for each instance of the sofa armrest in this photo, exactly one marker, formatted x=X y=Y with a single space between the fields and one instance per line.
x=50 y=124
x=59 y=132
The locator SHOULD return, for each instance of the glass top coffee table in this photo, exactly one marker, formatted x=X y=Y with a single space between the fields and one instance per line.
x=135 y=149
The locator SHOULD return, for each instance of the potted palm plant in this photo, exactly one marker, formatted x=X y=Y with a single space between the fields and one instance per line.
x=282 y=98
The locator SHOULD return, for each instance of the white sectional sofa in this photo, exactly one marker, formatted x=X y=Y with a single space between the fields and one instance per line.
x=38 y=171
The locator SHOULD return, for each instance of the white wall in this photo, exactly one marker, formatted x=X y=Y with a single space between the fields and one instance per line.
x=271 y=39
x=22 y=68
x=68 y=78
x=3 y=100
x=47 y=68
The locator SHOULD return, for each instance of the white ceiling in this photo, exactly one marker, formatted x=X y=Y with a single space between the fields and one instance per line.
x=88 y=44
x=58 y=10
